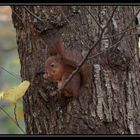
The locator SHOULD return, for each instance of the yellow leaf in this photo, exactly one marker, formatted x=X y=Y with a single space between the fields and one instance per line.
x=14 y=94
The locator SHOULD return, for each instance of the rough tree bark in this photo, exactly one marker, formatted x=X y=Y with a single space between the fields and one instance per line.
x=112 y=104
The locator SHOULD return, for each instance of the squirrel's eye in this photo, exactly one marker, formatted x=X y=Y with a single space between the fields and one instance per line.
x=52 y=65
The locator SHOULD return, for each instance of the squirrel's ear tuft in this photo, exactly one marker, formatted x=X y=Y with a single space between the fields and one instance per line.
x=56 y=48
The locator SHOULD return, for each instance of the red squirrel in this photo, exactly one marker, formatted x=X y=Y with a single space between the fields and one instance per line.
x=61 y=63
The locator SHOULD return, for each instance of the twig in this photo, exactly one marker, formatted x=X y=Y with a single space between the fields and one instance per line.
x=10 y=73
x=7 y=50
x=12 y=119
x=17 y=15
x=81 y=63
x=85 y=58
x=111 y=16
x=33 y=14
x=129 y=25
x=114 y=45
x=125 y=30
x=93 y=17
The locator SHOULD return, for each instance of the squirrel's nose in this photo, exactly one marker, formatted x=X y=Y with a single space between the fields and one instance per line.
x=47 y=76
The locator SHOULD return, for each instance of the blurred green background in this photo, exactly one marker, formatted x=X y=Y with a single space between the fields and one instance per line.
x=10 y=61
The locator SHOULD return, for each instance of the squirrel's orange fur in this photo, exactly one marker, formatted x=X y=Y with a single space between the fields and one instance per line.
x=61 y=63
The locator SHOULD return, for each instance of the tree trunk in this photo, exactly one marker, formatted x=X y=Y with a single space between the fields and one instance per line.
x=112 y=104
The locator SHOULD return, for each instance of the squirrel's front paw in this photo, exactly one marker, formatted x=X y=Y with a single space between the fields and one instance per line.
x=59 y=86
x=53 y=93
